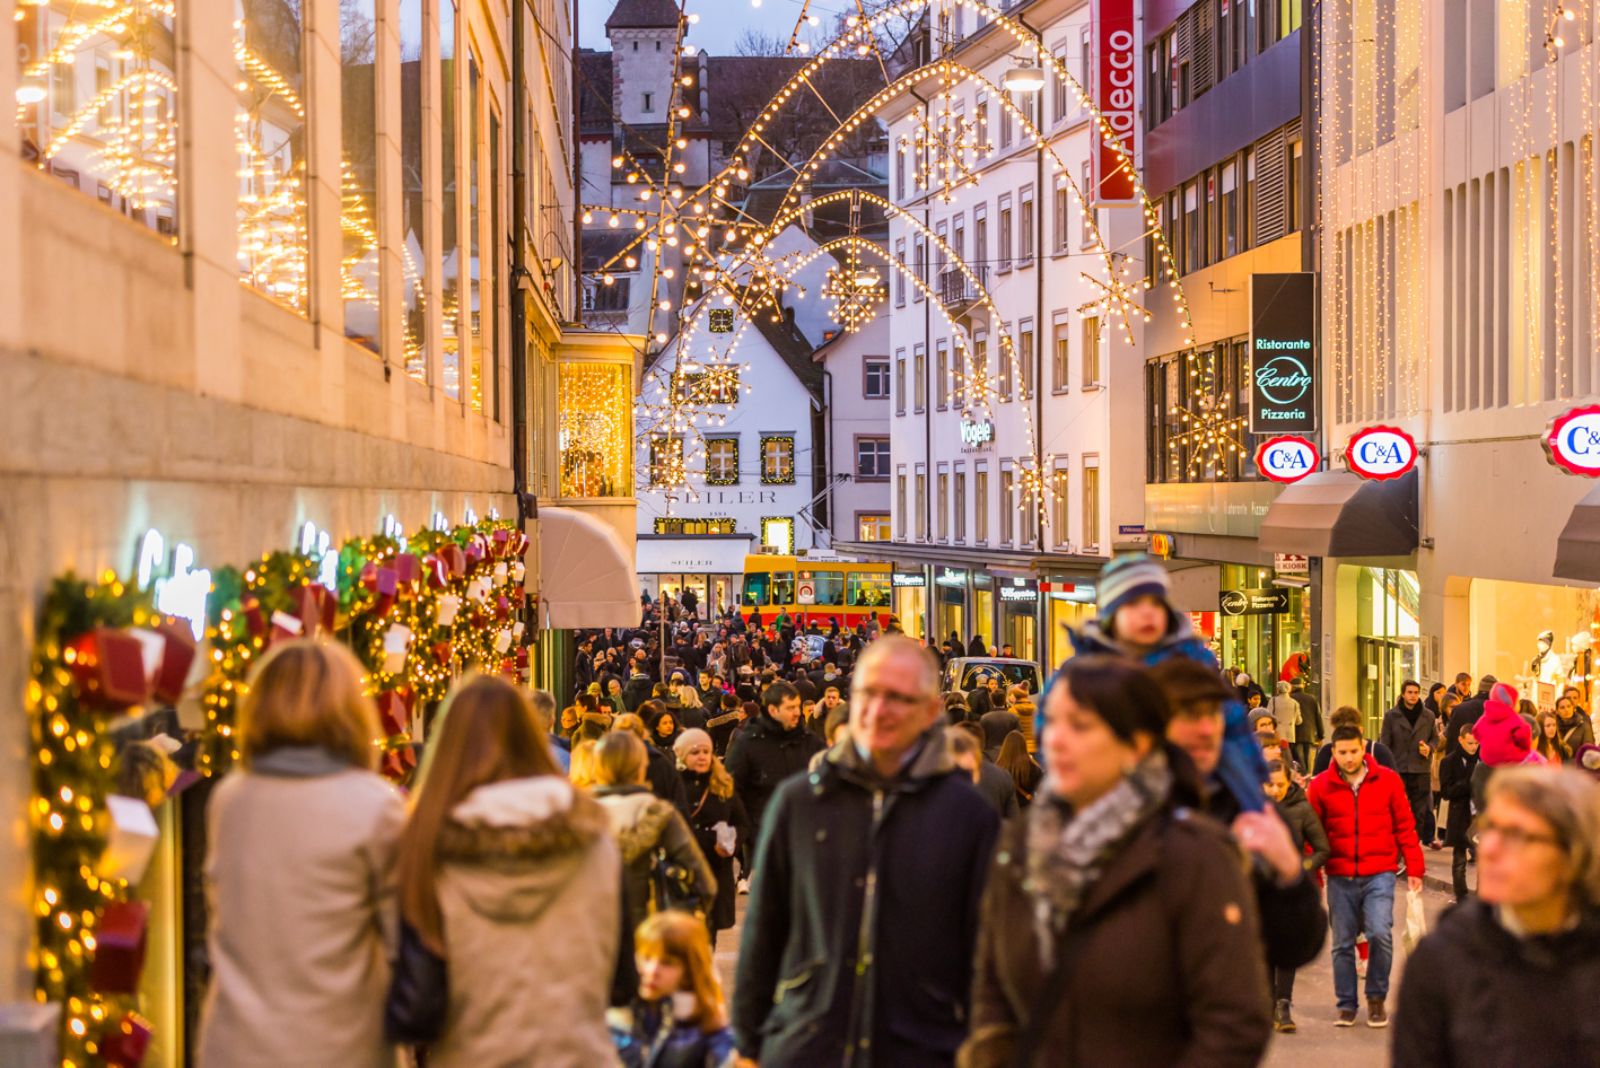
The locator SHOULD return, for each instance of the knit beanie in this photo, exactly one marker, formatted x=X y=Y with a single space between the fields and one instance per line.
x=1128 y=577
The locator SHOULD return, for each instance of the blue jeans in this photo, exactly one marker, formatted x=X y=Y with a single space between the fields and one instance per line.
x=1356 y=906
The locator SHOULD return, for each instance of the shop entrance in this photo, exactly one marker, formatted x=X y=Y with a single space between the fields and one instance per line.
x=1381 y=666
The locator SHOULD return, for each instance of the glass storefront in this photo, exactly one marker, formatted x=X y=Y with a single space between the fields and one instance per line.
x=1506 y=620
x=1261 y=642
x=911 y=602
x=983 y=609
x=1388 y=611
x=714 y=592
x=950 y=603
x=1019 y=616
x=1069 y=606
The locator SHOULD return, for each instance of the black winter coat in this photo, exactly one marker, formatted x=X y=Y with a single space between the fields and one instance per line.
x=1402 y=737
x=1304 y=827
x=1455 y=786
x=1293 y=921
x=1476 y=996
x=1309 y=729
x=706 y=810
x=636 y=691
x=665 y=782
x=1468 y=711
x=762 y=755
x=858 y=943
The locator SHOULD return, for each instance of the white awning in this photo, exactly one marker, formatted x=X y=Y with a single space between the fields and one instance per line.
x=715 y=555
x=585 y=579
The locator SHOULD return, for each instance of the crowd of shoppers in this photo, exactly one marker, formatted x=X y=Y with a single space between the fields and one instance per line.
x=1126 y=869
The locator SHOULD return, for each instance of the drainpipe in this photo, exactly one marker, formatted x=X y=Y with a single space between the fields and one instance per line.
x=520 y=460
x=826 y=426
x=1037 y=355
x=577 y=168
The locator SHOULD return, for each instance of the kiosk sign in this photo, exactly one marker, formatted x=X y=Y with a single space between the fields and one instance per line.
x=1572 y=441
x=1287 y=459
x=1381 y=452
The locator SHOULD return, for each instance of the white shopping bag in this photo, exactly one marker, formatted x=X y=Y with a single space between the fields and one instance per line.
x=1416 y=921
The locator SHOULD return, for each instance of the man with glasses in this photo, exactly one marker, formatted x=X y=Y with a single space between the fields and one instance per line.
x=1364 y=809
x=858 y=943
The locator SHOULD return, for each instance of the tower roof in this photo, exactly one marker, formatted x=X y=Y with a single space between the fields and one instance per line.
x=643 y=15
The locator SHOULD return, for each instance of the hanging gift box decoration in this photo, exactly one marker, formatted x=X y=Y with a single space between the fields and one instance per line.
x=255 y=616
x=126 y=1044
x=285 y=627
x=436 y=571
x=178 y=652
x=131 y=837
x=119 y=947
x=396 y=644
x=478 y=589
x=449 y=605
x=455 y=558
x=501 y=541
x=502 y=641
x=393 y=713
x=517 y=630
x=315 y=607
x=519 y=571
x=409 y=569
x=442 y=651
x=500 y=573
x=108 y=665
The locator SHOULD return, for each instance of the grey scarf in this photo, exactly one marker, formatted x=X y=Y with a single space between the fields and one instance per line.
x=1068 y=851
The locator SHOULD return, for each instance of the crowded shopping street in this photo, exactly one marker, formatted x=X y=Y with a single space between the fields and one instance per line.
x=800 y=534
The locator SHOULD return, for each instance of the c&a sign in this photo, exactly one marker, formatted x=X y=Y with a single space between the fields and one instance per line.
x=1287 y=459
x=1381 y=452
x=1572 y=441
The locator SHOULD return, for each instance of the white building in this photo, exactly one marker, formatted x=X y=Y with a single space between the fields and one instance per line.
x=856 y=394
x=1461 y=299
x=753 y=478
x=977 y=558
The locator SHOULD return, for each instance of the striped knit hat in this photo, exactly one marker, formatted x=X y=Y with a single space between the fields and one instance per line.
x=1128 y=577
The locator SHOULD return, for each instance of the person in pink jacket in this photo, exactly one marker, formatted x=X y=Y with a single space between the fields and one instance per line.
x=1503 y=736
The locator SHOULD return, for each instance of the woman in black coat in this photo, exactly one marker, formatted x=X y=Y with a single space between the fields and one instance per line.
x=713 y=805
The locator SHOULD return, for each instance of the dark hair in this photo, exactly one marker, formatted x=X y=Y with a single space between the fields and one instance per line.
x=588 y=702
x=1191 y=688
x=1435 y=688
x=1275 y=766
x=967 y=727
x=1486 y=683
x=978 y=702
x=1462 y=676
x=1120 y=693
x=729 y=702
x=648 y=710
x=1345 y=716
x=1345 y=734
x=1014 y=760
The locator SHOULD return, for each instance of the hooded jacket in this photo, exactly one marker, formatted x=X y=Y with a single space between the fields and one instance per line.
x=1503 y=736
x=1304 y=827
x=1455 y=786
x=1478 y=996
x=863 y=915
x=1402 y=737
x=763 y=755
x=1369 y=829
x=528 y=886
x=1242 y=769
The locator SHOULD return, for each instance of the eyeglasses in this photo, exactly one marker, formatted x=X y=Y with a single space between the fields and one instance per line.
x=1515 y=837
x=890 y=697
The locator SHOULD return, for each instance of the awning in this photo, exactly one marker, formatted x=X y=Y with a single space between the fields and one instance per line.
x=1578 y=548
x=1336 y=513
x=585 y=577
x=710 y=555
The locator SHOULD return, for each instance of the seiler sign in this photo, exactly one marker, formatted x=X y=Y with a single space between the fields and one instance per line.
x=1572 y=441
x=1381 y=452
x=1287 y=459
x=1116 y=64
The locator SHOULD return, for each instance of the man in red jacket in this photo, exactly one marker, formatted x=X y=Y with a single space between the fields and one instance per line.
x=1363 y=807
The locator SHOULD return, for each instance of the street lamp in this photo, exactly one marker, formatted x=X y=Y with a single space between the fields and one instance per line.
x=1023 y=80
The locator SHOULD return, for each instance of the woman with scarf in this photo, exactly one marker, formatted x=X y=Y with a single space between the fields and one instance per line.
x=1117 y=926
x=717 y=817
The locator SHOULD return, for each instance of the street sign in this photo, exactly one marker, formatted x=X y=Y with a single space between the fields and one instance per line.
x=805 y=592
x=1381 y=452
x=1272 y=601
x=1287 y=459
x=1283 y=355
x=1572 y=441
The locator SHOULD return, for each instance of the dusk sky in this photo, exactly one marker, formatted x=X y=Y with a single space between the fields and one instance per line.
x=722 y=22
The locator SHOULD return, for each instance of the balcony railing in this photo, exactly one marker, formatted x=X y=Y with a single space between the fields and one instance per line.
x=956 y=288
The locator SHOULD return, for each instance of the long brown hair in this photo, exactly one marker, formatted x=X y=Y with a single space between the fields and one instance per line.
x=1014 y=760
x=682 y=938
x=486 y=733
x=1552 y=749
x=309 y=693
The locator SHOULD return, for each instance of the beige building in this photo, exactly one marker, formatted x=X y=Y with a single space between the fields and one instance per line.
x=311 y=266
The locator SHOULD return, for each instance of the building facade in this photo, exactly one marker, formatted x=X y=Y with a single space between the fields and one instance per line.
x=1011 y=257
x=1226 y=129
x=265 y=267
x=856 y=397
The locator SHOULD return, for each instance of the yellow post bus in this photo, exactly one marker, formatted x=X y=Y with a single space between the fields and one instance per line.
x=813 y=590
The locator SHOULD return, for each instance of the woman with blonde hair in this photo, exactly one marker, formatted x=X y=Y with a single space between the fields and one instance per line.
x=678 y=1018
x=1508 y=976
x=582 y=771
x=300 y=872
x=717 y=818
x=508 y=893
x=662 y=867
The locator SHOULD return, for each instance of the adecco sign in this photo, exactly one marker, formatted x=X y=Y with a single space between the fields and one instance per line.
x=1381 y=452
x=1572 y=441
x=1116 y=64
x=1287 y=459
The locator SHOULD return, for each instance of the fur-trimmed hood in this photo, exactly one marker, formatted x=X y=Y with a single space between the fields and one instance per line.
x=511 y=847
x=637 y=818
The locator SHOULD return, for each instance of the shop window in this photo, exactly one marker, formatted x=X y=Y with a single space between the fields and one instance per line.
x=777 y=460
x=722 y=461
x=872 y=459
x=666 y=460
x=108 y=128
x=777 y=532
x=594 y=403
x=873 y=526
x=450 y=230
x=270 y=135
x=415 y=197
x=876 y=381
x=680 y=525
x=359 y=209
x=868 y=590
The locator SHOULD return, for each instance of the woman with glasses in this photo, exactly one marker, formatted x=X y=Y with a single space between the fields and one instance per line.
x=1509 y=976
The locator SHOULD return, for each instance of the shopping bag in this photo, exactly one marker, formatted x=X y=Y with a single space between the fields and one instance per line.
x=1416 y=921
